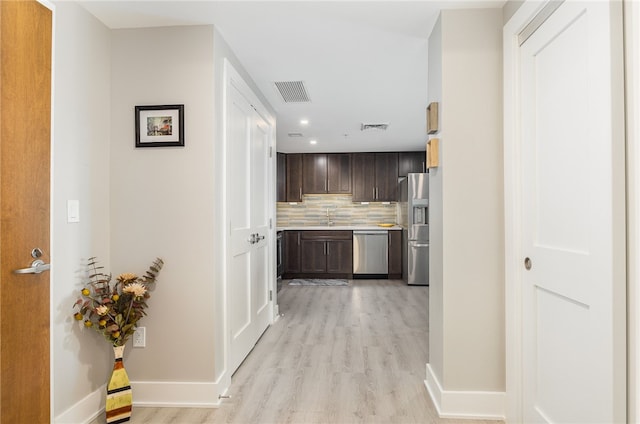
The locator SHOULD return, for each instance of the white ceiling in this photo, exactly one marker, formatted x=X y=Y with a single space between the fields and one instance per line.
x=361 y=61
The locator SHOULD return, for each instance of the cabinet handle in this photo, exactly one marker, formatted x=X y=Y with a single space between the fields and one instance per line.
x=374 y=192
x=301 y=194
x=298 y=239
x=324 y=248
x=325 y=185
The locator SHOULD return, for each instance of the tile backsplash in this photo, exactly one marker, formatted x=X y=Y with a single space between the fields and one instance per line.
x=342 y=211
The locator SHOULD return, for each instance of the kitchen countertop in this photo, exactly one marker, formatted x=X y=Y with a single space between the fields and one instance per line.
x=336 y=227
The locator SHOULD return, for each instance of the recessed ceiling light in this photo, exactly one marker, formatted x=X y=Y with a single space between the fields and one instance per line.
x=313 y=142
x=304 y=122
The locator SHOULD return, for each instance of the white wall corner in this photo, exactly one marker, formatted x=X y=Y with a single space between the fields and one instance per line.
x=463 y=404
x=176 y=394
x=85 y=410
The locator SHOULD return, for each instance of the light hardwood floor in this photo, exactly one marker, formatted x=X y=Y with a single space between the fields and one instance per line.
x=353 y=354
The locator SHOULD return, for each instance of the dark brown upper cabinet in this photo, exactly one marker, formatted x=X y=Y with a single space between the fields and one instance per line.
x=294 y=177
x=363 y=173
x=281 y=178
x=339 y=173
x=326 y=173
x=409 y=162
x=375 y=177
x=314 y=176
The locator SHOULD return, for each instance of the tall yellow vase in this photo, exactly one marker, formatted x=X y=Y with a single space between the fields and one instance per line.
x=119 y=398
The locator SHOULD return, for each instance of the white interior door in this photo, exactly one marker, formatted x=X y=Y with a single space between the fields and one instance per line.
x=248 y=305
x=261 y=300
x=573 y=305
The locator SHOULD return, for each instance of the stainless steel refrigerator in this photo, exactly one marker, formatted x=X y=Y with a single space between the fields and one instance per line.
x=413 y=211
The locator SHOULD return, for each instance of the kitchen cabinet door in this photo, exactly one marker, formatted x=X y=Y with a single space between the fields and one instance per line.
x=340 y=257
x=281 y=178
x=363 y=174
x=326 y=173
x=314 y=173
x=294 y=177
x=339 y=173
x=313 y=256
x=409 y=162
x=291 y=252
x=374 y=177
x=395 y=254
x=386 y=177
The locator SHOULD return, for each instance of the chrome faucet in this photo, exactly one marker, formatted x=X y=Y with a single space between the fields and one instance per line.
x=329 y=221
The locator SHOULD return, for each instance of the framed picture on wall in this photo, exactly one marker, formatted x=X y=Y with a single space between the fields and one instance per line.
x=160 y=126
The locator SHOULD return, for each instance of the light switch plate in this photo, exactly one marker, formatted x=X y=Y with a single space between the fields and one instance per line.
x=73 y=211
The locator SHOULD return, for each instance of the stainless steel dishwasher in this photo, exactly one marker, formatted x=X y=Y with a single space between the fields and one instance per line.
x=370 y=252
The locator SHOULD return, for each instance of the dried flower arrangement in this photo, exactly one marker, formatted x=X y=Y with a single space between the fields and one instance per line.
x=115 y=309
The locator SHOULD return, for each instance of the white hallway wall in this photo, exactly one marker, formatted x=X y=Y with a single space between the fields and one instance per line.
x=467 y=371
x=162 y=198
x=80 y=154
x=137 y=204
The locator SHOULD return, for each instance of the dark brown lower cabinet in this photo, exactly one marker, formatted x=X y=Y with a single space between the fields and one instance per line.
x=395 y=254
x=340 y=257
x=313 y=256
x=291 y=253
x=321 y=254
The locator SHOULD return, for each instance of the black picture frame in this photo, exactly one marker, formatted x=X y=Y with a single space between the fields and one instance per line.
x=160 y=126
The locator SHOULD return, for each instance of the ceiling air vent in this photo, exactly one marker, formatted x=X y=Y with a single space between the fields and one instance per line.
x=295 y=134
x=382 y=127
x=292 y=91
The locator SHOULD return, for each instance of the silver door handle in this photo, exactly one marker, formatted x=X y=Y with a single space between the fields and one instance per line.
x=36 y=267
x=255 y=238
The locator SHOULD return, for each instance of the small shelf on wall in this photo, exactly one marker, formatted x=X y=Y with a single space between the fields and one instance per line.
x=432 y=153
x=432 y=118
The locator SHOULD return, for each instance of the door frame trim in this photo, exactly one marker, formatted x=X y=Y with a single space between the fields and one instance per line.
x=631 y=11
x=52 y=273
x=512 y=210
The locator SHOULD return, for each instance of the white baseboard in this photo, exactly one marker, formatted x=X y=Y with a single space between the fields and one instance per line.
x=86 y=410
x=146 y=393
x=175 y=394
x=459 y=404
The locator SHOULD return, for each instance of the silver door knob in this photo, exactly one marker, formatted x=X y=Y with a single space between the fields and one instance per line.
x=36 y=267
x=527 y=263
